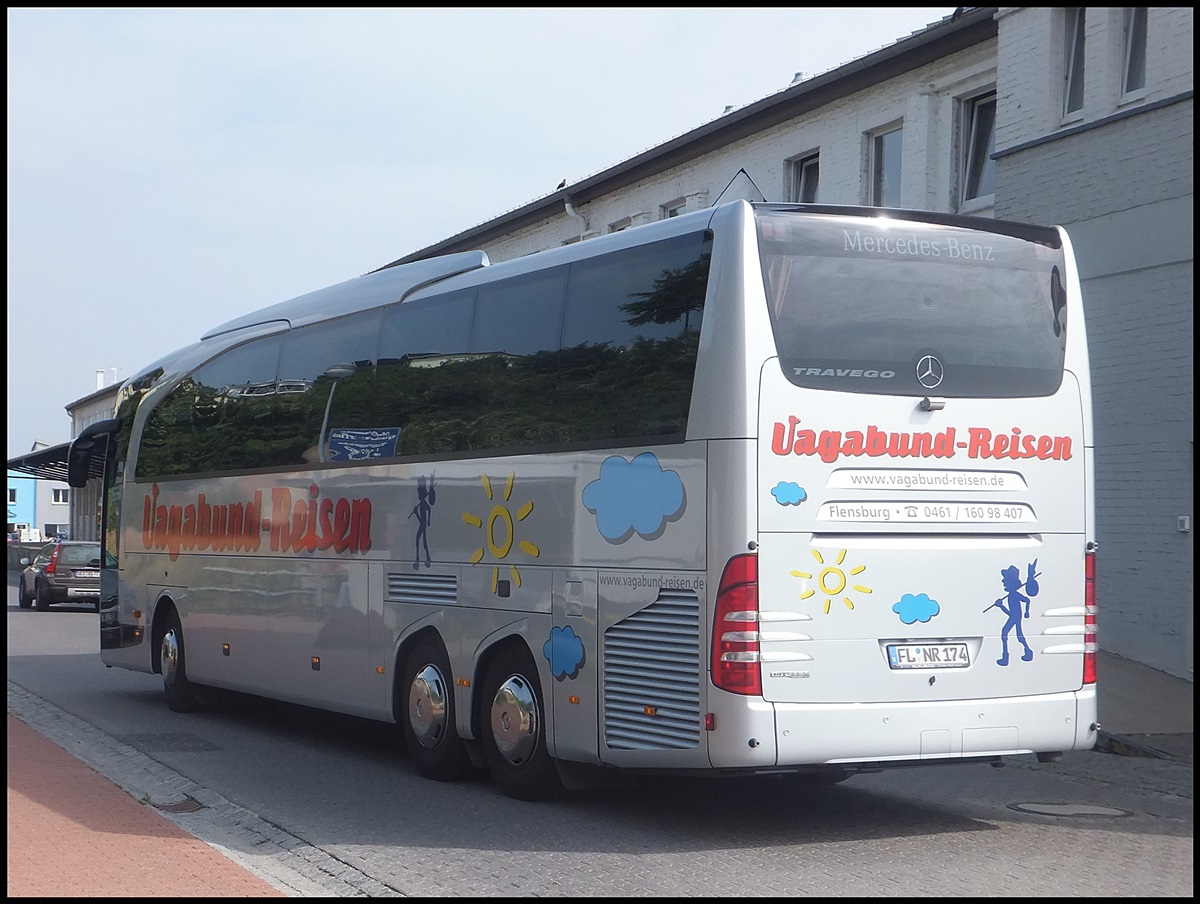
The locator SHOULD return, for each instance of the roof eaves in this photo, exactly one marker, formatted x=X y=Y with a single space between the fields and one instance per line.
x=110 y=390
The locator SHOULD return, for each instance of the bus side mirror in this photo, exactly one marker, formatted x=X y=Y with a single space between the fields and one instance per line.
x=81 y=457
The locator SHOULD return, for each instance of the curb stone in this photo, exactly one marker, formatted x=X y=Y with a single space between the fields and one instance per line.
x=1162 y=747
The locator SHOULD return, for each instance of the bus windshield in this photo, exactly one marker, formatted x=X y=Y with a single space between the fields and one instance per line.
x=856 y=303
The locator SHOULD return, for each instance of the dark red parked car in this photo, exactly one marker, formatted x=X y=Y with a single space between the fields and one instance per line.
x=65 y=571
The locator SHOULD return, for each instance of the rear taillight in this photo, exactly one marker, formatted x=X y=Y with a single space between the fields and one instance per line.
x=53 y=563
x=735 y=639
x=1089 y=617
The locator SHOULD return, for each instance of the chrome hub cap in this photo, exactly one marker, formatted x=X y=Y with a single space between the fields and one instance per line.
x=169 y=655
x=427 y=706
x=515 y=720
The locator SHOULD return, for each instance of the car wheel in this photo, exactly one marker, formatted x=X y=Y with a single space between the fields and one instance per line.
x=180 y=694
x=513 y=728
x=428 y=718
x=24 y=598
x=41 y=598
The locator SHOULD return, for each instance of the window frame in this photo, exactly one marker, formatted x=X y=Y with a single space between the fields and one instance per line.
x=804 y=173
x=60 y=496
x=673 y=208
x=878 y=158
x=971 y=159
x=1134 y=28
x=1074 y=61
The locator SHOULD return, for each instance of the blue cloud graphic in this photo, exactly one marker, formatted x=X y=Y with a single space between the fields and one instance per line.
x=564 y=652
x=918 y=608
x=634 y=496
x=788 y=493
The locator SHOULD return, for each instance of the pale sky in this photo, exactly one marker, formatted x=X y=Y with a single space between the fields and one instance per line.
x=169 y=170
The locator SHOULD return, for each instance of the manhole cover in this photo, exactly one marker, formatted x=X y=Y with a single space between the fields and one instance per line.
x=1069 y=810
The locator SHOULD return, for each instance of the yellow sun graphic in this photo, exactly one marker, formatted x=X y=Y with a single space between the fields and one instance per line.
x=500 y=521
x=832 y=580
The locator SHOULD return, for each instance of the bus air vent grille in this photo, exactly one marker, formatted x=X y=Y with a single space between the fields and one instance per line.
x=652 y=676
x=431 y=589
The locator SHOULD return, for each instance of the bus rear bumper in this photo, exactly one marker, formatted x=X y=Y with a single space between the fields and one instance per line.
x=928 y=731
x=924 y=731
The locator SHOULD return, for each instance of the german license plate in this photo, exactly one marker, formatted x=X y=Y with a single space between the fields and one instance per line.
x=928 y=655
x=87 y=574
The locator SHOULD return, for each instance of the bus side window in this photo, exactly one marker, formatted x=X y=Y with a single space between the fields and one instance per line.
x=630 y=336
x=514 y=359
x=416 y=393
x=326 y=407
x=236 y=392
x=167 y=446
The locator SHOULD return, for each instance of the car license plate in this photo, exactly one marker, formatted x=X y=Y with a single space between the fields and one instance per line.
x=87 y=574
x=928 y=655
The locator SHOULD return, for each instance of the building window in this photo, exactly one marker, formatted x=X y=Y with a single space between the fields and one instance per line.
x=674 y=209
x=885 y=167
x=1073 y=60
x=1134 y=72
x=620 y=225
x=59 y=497
x=806 y=174
x=979 y=169
x=12 y=495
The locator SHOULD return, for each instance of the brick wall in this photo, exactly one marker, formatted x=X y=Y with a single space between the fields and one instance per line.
x=1123 y=190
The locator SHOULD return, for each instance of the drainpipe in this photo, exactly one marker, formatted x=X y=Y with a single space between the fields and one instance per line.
x=571 y=212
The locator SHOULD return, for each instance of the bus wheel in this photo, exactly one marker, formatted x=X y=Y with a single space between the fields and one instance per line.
x=514 y=729
x=428 y=718
x=180 y=694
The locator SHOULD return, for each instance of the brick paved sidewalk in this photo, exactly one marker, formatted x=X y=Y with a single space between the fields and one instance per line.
x=73 y=833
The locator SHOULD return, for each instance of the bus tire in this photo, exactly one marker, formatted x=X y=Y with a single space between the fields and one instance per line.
x=428 y=717
x=513 y=728
x=179 y=691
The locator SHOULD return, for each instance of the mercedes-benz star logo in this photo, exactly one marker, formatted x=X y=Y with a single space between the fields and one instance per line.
x=930 y=372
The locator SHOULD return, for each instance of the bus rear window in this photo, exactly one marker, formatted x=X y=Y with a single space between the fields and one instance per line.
x=897 y=307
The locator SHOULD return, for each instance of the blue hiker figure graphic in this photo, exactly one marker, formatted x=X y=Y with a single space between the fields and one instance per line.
x=1011 y=605
x=426 y=498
